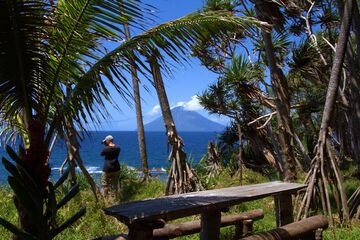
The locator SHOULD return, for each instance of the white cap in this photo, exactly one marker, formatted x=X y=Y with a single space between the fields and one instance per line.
x=107 y=138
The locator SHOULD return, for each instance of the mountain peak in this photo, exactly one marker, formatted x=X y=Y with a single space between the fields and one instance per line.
x=186 y=121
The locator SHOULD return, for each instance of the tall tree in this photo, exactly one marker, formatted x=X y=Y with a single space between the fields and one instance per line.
x=139 y=115
x=269 y=11
x=44 y=45
x=182 y=178
x=324 y=167
x=236 y=96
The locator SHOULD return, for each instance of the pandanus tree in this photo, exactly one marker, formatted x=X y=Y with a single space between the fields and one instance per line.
x=54 y=74
x=236 y=96
x=325 y=169
x=311 y=98
x=269 y=11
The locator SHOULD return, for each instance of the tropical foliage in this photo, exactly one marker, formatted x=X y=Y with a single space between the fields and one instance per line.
x=55 y=69
x=302 y=100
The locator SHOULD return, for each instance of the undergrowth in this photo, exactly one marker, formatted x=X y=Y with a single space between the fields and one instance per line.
x=96 y=223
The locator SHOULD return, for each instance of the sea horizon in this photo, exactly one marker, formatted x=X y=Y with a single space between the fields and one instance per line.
x=156 y=143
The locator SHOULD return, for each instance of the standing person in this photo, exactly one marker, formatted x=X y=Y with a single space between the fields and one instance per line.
x=111 y=169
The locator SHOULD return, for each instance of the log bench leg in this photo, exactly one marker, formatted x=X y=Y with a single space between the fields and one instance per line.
x=243 y=229
x=283 y=209
x=144 y=230
x=210 y=225
x=137 y=232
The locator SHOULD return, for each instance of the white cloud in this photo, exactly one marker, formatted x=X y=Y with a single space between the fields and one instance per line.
x=155 y=110
x=179 y=104
x=192 y=105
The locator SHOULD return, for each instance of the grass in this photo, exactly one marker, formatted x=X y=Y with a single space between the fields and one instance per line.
x=96 y=224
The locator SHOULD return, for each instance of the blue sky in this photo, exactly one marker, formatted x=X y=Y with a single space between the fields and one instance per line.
x=186 y=82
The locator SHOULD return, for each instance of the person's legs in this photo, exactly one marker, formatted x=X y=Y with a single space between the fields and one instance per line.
x=105 y=183
x=114 y=182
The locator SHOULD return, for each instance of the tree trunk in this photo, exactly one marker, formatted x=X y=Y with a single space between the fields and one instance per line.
x=280 y=88
x=73 y=148
x=182 y=177
x=240 y=159
x=324 y=168
x=353 y=112
x=139 y=116
x=35 y=161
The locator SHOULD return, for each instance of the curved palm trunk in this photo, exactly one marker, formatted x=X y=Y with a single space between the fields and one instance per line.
x=74 y=156
x=182 y=177
x=139 y=116
x=324 y=171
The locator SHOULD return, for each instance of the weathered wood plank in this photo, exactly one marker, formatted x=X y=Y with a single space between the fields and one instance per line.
x=283 y=209
x=305 y=229
x=210 y=225
x=187 y=228
x=178 y=206
x=144 y=230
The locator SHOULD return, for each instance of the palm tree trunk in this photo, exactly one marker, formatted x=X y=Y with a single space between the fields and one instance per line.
x=35 y=160
x=280 y=88
x=324 y=168
x=182 y=177
x=73 y=148
x=139 y=116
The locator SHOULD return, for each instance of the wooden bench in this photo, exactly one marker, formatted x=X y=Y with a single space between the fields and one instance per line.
x=307 y=229
x=142 y=217
x=243 y=226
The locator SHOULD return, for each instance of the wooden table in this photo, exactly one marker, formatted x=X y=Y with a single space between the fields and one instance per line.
x=143 y=216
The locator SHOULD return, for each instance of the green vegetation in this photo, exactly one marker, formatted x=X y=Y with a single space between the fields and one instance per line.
x=293 y=98
x=95 y=223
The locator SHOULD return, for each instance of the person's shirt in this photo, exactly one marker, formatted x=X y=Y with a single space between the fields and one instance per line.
x=111 y=154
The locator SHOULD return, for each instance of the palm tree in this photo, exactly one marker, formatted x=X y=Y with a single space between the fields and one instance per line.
x=46 y=46
x=139 y=116
x=181 y=178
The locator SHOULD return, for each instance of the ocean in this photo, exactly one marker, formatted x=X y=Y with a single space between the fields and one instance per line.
x=195 y=148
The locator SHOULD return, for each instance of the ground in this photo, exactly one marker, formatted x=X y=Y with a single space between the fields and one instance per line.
x=96 y=224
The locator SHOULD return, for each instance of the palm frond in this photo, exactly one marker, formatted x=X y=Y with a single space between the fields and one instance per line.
x=23 y=55
x=174 y=39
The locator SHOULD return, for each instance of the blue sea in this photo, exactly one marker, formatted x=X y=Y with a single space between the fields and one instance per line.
x=195 y=147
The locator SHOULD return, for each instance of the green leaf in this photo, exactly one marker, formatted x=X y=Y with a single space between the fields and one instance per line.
x=73 y=191
x=51 y=206
x=68 y=223
x=13 y=155
x=62 y=178
x=26 y=179
x=12 y=169
x=27 y=201
x=15 y=230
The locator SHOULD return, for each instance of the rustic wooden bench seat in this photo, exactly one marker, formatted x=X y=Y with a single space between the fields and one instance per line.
x=307 y=229
x=142 y=217
x=242 y=222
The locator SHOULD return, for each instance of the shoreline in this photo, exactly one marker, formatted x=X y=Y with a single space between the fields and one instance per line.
x=95 y=172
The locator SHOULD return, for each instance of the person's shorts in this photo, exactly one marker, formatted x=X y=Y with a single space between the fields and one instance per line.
x=110 y=179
